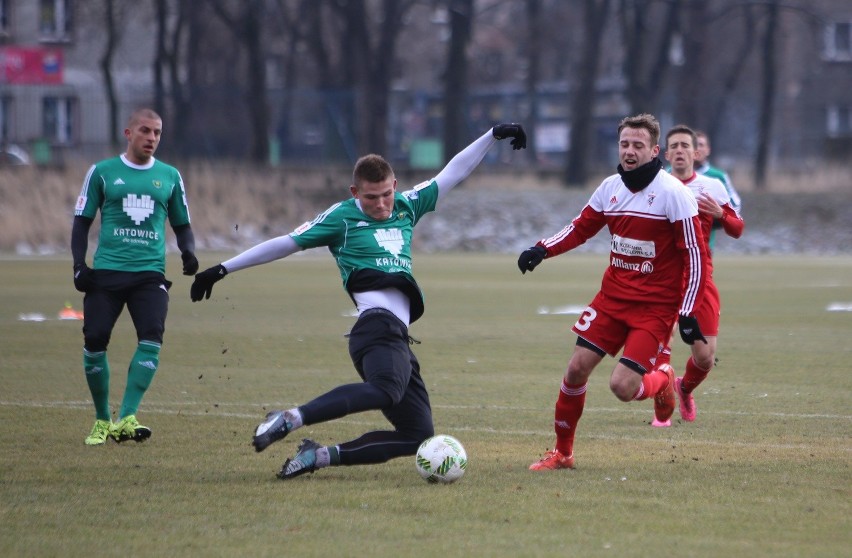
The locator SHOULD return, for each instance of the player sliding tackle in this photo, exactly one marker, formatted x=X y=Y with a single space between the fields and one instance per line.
x=369 y=236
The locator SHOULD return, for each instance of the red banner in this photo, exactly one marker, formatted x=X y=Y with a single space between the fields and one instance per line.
x=30 y=65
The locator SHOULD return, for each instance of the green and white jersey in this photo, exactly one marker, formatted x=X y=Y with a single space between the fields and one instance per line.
x=134 y=202
x=359 y=242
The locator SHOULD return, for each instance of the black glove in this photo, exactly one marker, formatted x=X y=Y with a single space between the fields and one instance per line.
x=203 y=284
x=516 y=131
x=84 y=277
x=530 y=258
x=190 y=263
x=689 y=330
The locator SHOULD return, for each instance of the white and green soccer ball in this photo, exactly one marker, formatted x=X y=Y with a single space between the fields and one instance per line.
x=441 y=459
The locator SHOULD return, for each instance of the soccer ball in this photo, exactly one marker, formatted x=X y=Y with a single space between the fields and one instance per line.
x=441 y=459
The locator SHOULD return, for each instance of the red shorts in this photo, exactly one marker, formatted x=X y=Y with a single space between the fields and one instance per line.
x=708 y=312
x=642 y=329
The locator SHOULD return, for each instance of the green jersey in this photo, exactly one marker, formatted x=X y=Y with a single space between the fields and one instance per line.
x=134 y=202
x=360 y=243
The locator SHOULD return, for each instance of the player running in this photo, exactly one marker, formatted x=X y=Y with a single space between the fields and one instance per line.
x=655 y=242
x=714 y=206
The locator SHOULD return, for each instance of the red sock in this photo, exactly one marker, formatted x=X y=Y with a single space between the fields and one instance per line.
x=692 y=376
x=652 y=383
x=569 y=409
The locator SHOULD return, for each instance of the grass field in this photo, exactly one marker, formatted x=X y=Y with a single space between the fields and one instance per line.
x=764 y=471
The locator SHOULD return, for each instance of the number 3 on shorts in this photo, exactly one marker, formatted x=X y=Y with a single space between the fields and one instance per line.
x=584 y=322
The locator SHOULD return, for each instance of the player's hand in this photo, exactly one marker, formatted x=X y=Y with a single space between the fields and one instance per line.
x=530 y=258
x=84 y=277
x=689 y=330
x=515 y=131
x=202 y=287
x=190 y=263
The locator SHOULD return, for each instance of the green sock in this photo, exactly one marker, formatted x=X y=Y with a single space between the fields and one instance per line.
x=333 y=455
x=96 y=367
x=142 y=368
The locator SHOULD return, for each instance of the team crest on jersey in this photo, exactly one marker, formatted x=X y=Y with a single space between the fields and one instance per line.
x=138 y=208
x=391 y=240
x=157 y=183
x=651 y=197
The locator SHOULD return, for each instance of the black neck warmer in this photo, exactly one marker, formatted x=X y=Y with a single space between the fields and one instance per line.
x=638 y=178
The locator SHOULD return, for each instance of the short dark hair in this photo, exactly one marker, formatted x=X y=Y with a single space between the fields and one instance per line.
x=371 y=168
x=140 y=113
x=644 y=121
x=683 y=129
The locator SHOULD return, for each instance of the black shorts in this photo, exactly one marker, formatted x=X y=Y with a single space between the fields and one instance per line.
x=146 y=295
x=380 y=350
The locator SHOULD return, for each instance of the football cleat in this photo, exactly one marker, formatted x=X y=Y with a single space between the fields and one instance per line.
x=553 y=460
x=664 y=401
x=275 y=427
x=305 y=461
x=687 y=402
x=100 y=433
x=129 y=428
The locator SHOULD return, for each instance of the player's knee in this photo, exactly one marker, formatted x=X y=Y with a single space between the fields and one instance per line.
x=621 y=391
x=704 y=359
x=153 y=334
x=392 y=388
x=96 y=342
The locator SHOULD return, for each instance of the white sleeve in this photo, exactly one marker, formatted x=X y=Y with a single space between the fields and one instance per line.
x=265 y=252
x=463 y=163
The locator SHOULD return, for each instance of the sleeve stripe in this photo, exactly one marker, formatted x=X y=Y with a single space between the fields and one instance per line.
x=694 y=281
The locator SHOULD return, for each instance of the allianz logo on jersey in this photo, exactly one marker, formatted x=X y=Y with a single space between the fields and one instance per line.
x=390 y=239
x=138 y=208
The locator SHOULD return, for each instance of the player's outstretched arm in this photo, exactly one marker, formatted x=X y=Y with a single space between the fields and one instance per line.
x=469 y=158
x=202 y=287
x=265 y=252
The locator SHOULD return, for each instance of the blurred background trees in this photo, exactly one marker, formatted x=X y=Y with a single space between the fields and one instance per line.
x=324 y=81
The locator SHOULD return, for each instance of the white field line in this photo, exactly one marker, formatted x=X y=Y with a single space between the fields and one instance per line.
x=168 y=407
x=215 y=410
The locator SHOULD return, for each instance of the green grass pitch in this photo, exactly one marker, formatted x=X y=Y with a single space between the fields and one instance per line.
x=764 y=471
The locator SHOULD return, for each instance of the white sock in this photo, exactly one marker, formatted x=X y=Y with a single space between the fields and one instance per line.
x=294 y=417
x=323 y=459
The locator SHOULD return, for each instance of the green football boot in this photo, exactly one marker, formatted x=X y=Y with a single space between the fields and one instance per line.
x=100 y=433
x=129 y=428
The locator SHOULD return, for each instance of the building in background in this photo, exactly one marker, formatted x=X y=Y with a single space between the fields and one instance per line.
x=54 y=104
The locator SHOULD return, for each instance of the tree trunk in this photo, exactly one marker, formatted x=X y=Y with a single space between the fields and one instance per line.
x=106 y=71
x=583 y=103
x=455 y=84
x=767 y=97
x=534 y=60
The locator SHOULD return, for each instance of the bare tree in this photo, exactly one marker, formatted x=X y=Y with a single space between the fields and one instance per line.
x=717 y=103
x=595 y=13
x=370 y=65
x=641 y=33
x=106 y=71
x=534 y=61
x=455 y=77
x=767 y=96
x=247 y=27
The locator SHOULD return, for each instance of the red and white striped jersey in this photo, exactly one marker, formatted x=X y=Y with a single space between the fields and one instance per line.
x=732 y=222
x=656 y=241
